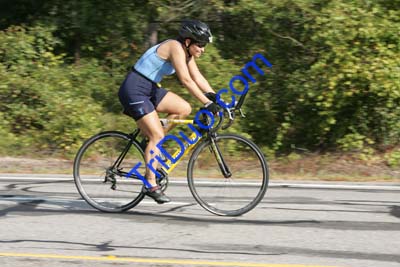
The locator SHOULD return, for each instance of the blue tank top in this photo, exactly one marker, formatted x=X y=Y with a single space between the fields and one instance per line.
x=152 y=66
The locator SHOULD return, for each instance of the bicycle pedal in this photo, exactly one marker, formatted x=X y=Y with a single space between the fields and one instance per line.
x=162 y=181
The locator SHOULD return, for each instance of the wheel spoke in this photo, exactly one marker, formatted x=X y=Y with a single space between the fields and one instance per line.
x=102 y=186
x=219 y=193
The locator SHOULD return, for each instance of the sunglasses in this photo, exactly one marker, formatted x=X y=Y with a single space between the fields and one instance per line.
x=201 y=45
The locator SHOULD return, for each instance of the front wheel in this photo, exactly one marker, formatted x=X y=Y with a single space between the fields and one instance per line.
x=228 y=175
x=100 y=169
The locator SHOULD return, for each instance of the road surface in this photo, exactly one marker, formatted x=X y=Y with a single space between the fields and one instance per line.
x=44 y=222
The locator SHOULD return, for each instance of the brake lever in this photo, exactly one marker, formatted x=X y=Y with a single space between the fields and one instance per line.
x=231 y=116
x=241 y=113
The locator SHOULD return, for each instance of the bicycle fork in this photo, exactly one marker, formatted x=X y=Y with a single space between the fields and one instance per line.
x=220 y=159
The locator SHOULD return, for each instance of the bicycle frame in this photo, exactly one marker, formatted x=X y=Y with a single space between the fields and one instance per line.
x=168 y=166
x=188 y=147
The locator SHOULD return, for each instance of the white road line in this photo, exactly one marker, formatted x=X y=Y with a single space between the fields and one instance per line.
x=337 y=186
x=289 y=184
x=35 y=178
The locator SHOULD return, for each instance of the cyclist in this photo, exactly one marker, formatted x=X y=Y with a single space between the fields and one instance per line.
x=142 y=97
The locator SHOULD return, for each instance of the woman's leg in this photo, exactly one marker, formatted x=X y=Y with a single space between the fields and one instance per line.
x=151 y=127
x=175 y=106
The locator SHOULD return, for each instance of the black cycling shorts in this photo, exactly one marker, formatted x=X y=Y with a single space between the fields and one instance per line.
x=139 y=96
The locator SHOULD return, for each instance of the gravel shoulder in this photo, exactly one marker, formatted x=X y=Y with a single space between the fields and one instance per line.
x=321 y=168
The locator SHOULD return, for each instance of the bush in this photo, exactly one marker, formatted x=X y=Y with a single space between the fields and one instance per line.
x=352 y=86
x=47 y=105
x=393 y=158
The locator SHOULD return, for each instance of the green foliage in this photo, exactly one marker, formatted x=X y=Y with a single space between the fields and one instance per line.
x=393 y=158
x=335 y=72
x=357 y=143
x=353 y=85
x=334 y=84
x=45 y=104
x=8 y=139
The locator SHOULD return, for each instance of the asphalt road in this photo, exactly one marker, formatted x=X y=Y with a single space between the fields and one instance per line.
x=43 y=222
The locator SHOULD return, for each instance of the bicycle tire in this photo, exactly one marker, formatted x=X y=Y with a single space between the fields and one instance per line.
x=247 y=186
x=101 y=186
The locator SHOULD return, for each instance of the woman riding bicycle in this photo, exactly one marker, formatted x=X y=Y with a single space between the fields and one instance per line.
x=142 y=97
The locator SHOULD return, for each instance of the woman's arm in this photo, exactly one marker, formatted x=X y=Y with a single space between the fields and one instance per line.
x=178 y=59
x=198 y=78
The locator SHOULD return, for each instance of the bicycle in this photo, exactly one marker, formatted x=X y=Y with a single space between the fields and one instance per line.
x=227 y=174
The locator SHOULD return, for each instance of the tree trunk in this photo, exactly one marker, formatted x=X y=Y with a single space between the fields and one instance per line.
x=152 y=34
x=77 y=49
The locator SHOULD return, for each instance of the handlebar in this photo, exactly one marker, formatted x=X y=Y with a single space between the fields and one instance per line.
x=229 y=113
x=208 y=121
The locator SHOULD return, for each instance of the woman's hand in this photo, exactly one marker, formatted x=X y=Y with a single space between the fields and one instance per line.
x=212 y=107
x=212 y=96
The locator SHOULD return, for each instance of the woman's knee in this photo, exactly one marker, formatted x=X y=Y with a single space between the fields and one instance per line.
x=185 y=110
x=174 y=104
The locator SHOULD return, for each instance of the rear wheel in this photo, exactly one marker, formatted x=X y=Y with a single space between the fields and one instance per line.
x=237 y=189
x=100 y=172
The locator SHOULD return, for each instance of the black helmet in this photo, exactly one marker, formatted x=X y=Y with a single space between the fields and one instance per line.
x=195 y=30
